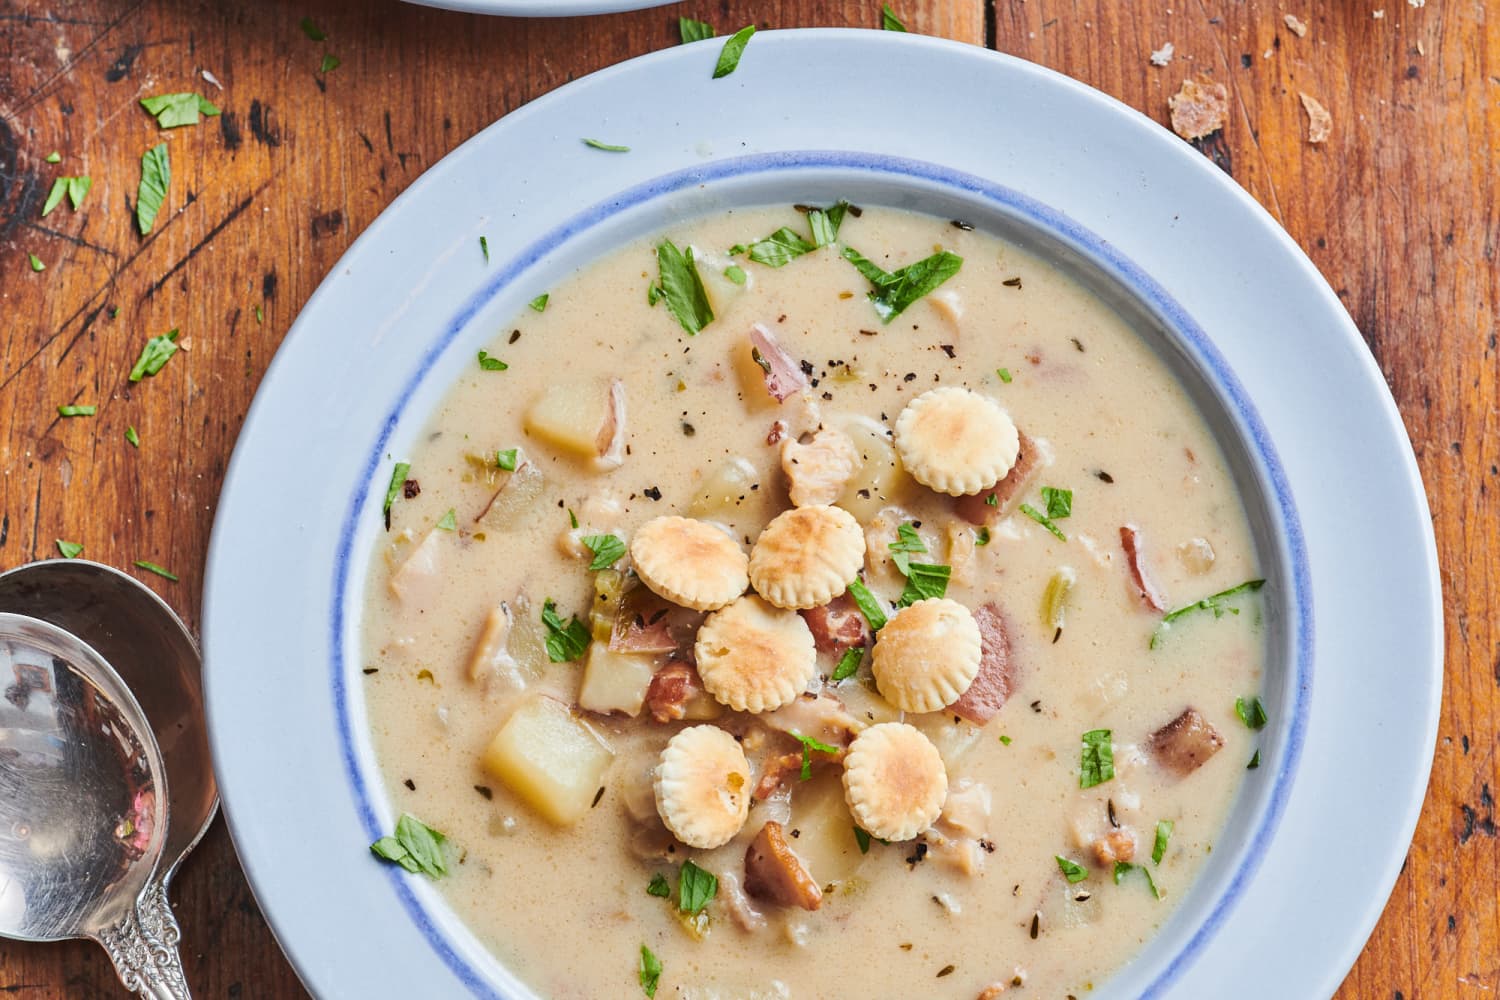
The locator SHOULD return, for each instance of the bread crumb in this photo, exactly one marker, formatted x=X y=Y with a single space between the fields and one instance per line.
x=1198 y=109
x=1379 y=14
x=1319 y=121
x=1417 y=3
x=1162 y=56
x=1298 y=27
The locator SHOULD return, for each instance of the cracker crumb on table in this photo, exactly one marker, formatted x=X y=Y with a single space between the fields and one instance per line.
x=1198 y=109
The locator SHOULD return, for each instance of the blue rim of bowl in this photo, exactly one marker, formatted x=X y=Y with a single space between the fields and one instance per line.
x=1049 y=219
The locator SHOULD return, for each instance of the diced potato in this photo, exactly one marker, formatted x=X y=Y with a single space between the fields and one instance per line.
x=528 y=637
x=825 y=829
x=724 y=489
x=572 y=416
x=490 y=661
x=516 y=496
x=551 y=760
x=615 y=682
x=877 y=478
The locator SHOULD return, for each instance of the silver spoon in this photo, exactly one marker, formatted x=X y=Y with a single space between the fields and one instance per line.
x=83 y=799
x=156 y=657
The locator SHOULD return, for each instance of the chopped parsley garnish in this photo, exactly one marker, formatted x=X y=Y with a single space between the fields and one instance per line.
x=981 y=536
x=888 y=19
x=260 y=315
x=1163 y=834
x=659 y=886
x=76 y=411
x=154 y=356
x=650 y=971
x=868 y=604
x=1004 y=374
x=398 y=479
x=607 y=550
x=653 y=295
x=312 y=31
x=1072 y=870
x=825 y=222
x=1043 y=520
x=1123 y=868
x=694 y=31
x=73 y=187
x=808 y=746
x=416 y=847
x=1097 y=764
x=54 y=157
x=330 y=63
x=863 y=839
x=132 y=437
x=1005 y=740
x=156 y=174
x=993 y=500
x=729 y=56
x=605 y=146
x=1059 y=501
x=572 y=518
x=151 y=567
x=923 y=581
x=735 y=273
x=540 y=302
x=175 y=110
x=565 y=642
x=69 y=550
x=1217 y=603
x=1254 y=762
x=848 y=663
x=894 y=291
x=489 y=363
x=484 y=248
x=907 y=541
x=1252 y=713
x=695 y=887
x=682 y=288
x=36 y=262
x=508 y=459
x=449 y=521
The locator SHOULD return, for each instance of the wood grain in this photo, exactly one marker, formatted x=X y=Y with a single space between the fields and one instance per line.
x=1398 y=209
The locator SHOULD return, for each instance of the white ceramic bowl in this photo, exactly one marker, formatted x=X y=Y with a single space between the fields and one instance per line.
x=1231 y=303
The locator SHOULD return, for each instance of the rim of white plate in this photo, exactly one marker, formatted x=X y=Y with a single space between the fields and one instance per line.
x=773 y=47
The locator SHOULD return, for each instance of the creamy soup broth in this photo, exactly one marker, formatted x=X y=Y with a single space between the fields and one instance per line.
x=566 y=907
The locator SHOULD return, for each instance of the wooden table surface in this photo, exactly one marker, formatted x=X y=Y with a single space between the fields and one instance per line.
x=1398 y=209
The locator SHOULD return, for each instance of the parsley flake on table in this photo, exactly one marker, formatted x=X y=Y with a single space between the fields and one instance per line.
x=312 y=31
x=154 y=356
x=484 y=248
x=607 y=550
x=176 y=110
x=156 y=175
x=540 y=302
x=565 y=642
x=330 y=63
x=695 y=888
x=605 y=146
x=76 y=411
x=416 y=847
x=1072 y=870
x=69 y=550
x=151 y=567
x=682 y=287
x=895 y=291
x=489 y=363
x=888 y=19
x=1097 y=763
x=73 y=188
x=36 y=262
x=693 y=31
x=132 y=437
x=650 y=971
x=734 y=48
x=54 y=157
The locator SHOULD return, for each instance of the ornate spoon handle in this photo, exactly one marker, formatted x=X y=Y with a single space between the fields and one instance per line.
x=143 y=947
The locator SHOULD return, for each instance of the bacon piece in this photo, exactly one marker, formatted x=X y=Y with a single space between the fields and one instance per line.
x=647 y=623
x=1185 y=744
x=976 y=508
x=670 y=690
x=837 y=626
x=784 y=376
x=997 y=672
x=1130 y=538
x=774 y=872
x=777 y=772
